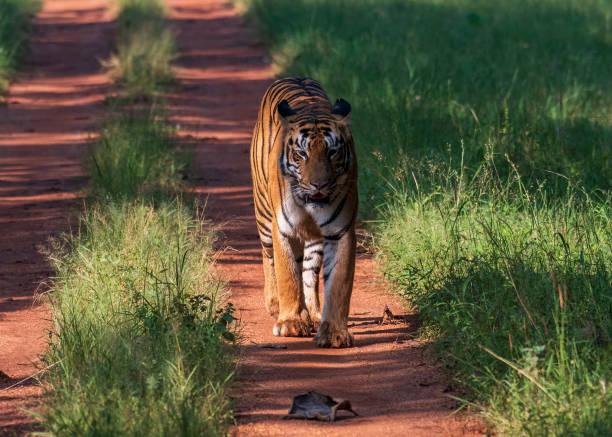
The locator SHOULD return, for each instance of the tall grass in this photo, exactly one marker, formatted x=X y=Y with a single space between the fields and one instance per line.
x=136 y=158
x=138 y=338
x=483 y=131
x=145 y=49
x=142 y=330
x=525 y=78
x=14 y=20
x=515 y=287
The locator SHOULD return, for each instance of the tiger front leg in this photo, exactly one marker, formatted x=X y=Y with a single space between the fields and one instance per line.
x=293 y=319
x=338 y=272
x=311 y=266
x=270 y=293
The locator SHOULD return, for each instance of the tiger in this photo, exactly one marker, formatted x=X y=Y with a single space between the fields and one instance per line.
x=304 y=172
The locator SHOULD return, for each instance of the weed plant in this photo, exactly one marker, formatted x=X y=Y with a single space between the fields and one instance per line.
x=14 y=21
x=483 y=131
x=139 y=343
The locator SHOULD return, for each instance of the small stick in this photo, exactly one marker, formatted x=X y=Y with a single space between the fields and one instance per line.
x=31 y=376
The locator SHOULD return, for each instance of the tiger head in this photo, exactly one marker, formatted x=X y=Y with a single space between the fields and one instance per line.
x=317 y=155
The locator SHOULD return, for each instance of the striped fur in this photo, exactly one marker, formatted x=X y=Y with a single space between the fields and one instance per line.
x=304 y=173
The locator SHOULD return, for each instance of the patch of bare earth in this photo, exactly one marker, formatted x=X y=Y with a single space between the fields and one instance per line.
x=387 y=376
x=51 y=109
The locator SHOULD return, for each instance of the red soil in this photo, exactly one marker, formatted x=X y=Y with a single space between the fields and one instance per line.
x=50 y=111
x=387 y=376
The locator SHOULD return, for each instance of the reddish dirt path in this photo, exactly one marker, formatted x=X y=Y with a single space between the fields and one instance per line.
x=52 y=108
x=387 y=377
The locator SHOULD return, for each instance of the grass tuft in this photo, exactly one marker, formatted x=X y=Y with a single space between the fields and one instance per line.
x=135 y=157
x=14 y=21
x=140 y=343
x=145 y=49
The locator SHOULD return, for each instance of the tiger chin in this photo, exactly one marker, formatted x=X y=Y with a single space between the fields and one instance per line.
x=304 y=171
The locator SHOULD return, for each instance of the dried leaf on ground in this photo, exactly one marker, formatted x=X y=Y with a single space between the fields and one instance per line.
x=313 y=405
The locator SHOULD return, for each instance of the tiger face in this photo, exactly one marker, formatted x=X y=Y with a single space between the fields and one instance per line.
x=316 y=154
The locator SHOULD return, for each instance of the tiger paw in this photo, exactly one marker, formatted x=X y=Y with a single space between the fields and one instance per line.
x=330 y=337
x=294 y=327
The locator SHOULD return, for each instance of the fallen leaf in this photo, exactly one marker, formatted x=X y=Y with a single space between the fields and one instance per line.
x=313 y=405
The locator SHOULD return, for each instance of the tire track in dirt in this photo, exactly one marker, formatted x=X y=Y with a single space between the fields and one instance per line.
x=52 y=108
x=387 y=376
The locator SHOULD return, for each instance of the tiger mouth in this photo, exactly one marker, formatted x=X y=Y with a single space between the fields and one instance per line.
x=317 y=198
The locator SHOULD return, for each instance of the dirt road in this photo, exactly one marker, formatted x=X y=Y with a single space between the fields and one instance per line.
x=388 y=378
x=53 y=106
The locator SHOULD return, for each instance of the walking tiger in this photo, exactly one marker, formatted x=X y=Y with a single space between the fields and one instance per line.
x=304 y=172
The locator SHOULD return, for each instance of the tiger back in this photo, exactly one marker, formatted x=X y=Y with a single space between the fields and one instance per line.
x=304 y=172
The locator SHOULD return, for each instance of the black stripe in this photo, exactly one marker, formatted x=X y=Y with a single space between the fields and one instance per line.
x=318 y=252
x=285 y=235
x=265 y=233
x=285 y=215
x=336 y=212
x=263 y=225
x=340 y=234
x=265 y=214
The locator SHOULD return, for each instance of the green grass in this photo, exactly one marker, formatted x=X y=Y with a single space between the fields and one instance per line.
x=14 y=21
x=142 y=333
x=145 y=49
x=483 y=131
x=136 y=158
x=527 y=277
x=424 y=76
x=140 y=343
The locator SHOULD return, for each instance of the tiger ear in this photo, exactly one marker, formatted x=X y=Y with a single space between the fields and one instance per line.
x=342 y=111
x=284 y=110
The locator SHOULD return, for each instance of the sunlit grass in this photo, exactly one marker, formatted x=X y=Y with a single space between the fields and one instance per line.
x=136 y=157
x=514 y=276
x=139 y=342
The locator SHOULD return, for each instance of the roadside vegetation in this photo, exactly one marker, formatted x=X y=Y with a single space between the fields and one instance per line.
x=15 y=18
x=484 y=131
x=145 y=49
x=142 y=332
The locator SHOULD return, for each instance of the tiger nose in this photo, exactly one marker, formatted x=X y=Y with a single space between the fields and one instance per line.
x=319 y=185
